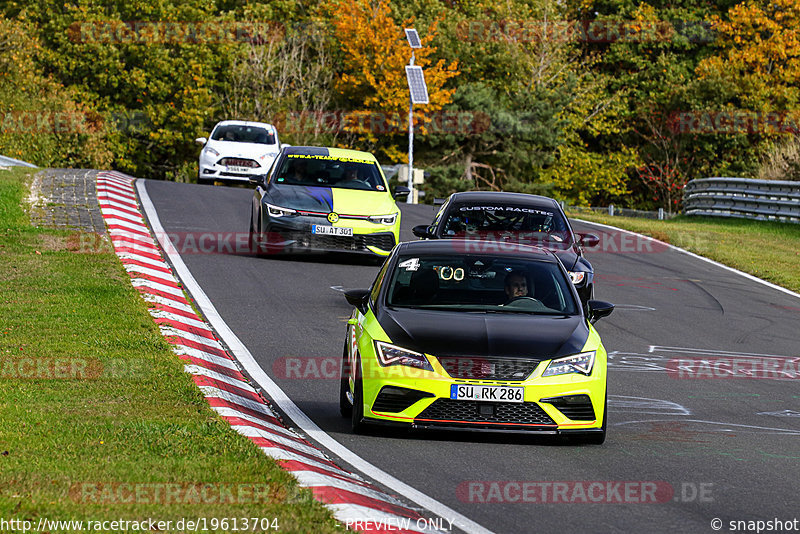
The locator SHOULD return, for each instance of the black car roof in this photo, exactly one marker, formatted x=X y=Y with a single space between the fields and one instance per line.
x=500 y=197
x=463 y=246
x=306 y=150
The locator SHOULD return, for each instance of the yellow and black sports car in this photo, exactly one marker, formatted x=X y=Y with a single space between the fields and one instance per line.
x=325 y=199
x=449 y=338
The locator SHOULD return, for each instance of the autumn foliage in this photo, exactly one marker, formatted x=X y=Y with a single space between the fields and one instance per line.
x=374 y=55
x=584 y=116
x=761 y=53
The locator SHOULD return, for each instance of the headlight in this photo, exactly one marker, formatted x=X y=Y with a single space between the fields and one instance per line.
x=210 y=150
x=277 y=211
x=577 y=277
x=393 y=355
x=388 y=220
x=579 y=363
x=268 y=155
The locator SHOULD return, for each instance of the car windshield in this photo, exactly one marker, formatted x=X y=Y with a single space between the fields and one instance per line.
x=239 y=133
x=330 y=171
x=523 y=224
x=481 y=283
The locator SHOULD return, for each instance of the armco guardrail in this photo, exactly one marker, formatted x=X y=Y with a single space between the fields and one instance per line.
x=11 y=162
x=743 y=197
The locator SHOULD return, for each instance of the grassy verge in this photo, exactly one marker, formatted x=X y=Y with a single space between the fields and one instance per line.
x=769 y=250
x=97 y=419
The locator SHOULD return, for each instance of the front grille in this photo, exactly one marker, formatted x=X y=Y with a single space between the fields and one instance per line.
x=383 y=241
x=575 y=407
x=393 y=399
x=488 y=368
x=457 y=411
x=237 y=162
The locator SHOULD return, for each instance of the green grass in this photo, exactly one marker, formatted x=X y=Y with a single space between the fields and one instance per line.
x=768 y=250
x=128 y=415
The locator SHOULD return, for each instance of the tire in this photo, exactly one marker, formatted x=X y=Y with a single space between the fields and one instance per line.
x=357 y=415
x=251 y=238
x=345 y=408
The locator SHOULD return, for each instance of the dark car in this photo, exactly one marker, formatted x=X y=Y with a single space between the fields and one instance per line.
x=448 y=338
x=488 y=220
x=325 y=199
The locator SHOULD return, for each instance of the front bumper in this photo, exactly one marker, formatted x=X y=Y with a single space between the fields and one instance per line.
x=294 y=234
x=552 y=405
x=210 y=170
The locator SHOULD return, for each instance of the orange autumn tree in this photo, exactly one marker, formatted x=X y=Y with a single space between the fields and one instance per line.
x=760 y=54
x=374 y=55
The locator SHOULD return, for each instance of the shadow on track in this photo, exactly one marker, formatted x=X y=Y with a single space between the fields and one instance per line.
x=337 y=425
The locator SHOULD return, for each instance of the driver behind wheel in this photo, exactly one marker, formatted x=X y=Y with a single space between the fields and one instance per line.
x=351 y=176
x=516 y=285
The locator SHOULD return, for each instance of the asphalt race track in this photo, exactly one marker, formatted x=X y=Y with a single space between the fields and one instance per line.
x=686 y=435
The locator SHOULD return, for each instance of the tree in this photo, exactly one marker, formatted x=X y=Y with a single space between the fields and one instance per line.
x=374 y=53
x=759 y=60
x=757 y=69
x=41 y=121
x=284 y=78
x=160 y=72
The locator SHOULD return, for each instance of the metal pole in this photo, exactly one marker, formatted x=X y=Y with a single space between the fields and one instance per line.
x=410 y=198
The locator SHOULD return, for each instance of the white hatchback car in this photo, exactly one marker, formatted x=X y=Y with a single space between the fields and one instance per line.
x=237 y=151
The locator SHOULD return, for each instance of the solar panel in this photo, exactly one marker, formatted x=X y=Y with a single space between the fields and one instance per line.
x=416 y=84
x=413 y=38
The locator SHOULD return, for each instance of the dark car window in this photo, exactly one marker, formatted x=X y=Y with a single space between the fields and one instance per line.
x=438 y=218
x=494 y=222
x=238 y=133
x=480 y=283
x=376 y=286
x=330 y=171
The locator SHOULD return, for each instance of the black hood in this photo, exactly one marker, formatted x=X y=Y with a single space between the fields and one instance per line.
x=444 y=333
x=301 y=197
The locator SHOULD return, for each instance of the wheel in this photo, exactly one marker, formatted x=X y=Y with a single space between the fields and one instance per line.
x=252 y=242
x=357 y=414
x=345 y=408
x=515 y=299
